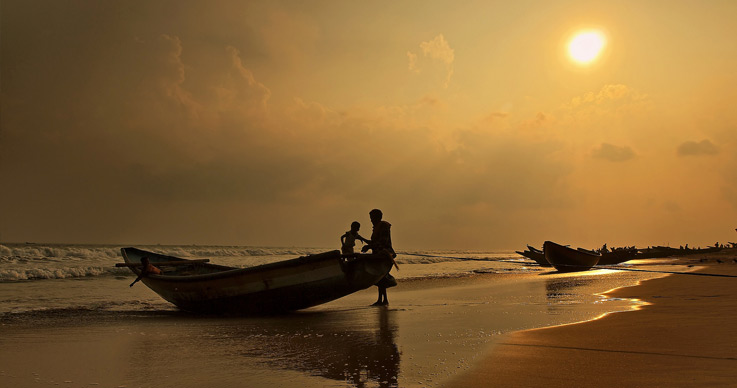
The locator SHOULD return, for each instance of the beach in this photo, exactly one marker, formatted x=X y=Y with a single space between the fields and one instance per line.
x=683 y=337
x=212 y=193
x=490 y=321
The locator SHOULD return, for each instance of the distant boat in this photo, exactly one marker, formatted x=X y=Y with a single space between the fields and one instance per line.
x=660 y=251
x=533 y=249
x=566 y=259
x=615 y=256
x=537 y=255
x=276 y=287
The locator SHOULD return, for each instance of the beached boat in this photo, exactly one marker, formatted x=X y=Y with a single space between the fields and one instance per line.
x=307 y=281
x=566 y=259
x=616 y=256
x=660 y=251
x=533 y=249
x=538 y=257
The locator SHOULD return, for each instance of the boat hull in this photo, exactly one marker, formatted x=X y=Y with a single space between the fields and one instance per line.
x=566 y=259
x=277 y=287
x=539 y=258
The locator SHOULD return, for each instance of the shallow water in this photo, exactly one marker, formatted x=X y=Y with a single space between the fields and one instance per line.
x=80 y=331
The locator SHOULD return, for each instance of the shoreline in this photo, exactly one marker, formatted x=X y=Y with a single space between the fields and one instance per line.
x=683 y=336
x=434 y=330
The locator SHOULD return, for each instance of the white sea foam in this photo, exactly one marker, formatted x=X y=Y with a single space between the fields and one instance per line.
x=57 y=261
x=17 y=274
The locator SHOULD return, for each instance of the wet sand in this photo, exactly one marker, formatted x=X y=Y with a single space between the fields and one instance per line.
x=685 y=337
x=434 y=330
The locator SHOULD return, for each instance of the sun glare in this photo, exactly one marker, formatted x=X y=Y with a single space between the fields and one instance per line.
x=586 y=46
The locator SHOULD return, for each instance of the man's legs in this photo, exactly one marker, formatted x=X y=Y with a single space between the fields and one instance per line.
x=382 y=301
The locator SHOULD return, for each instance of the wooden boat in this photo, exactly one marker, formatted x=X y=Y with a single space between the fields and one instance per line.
x=276 y=287
x=533 y=249
x=616 y=256
x=566 y=259
x=660 y=251
x=538 y=257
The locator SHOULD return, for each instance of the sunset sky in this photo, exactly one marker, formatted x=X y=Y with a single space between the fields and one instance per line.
x=280 y=122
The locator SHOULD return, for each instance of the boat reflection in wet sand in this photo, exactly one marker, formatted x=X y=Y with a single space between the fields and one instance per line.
x=566 y=259
x=276 y=287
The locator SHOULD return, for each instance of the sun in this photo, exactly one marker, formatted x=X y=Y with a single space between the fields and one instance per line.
x=586 y=46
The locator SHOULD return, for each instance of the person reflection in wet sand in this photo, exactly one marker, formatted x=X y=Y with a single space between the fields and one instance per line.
x=381 y=243
x=357 y=353
x=389 y=366
x=381 y=358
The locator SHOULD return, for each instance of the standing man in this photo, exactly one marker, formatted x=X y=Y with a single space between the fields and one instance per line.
x=381 y=243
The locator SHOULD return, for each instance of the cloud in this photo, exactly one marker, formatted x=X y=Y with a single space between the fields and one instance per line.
x=494 y=116
x=241 y=91
x=412 y=66
x=614 y=100
x=436 y=49
x=607 y=93
x=692 y=148
x=237 y=126
x=613 y=153
x=159 y=69
x=615 y=112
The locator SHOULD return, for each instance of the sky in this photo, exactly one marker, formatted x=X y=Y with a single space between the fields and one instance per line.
x=278 y=123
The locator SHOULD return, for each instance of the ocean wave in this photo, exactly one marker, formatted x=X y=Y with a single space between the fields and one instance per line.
x=50 y=252
x=62 y=252
x=56 y=252
x=20 y=274
x=225 y=251
x=24 y=262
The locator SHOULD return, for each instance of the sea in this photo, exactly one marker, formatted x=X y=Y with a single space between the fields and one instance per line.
x=449 y=309
x=52 y=277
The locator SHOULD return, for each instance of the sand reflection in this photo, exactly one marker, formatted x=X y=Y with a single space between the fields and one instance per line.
x=559 y=289
x=362 y=357
x=356 y=347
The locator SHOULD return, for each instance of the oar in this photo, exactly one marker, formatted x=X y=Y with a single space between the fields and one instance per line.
x=167 y=263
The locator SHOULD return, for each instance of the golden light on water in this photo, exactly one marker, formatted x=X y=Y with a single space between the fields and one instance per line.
x=586 y=46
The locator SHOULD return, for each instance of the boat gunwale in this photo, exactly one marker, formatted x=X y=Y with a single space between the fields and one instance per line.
x=228 y=271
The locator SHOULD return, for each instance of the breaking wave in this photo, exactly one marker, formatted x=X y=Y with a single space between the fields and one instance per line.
x=59 y=251
x=26 y=262
x=18 y=274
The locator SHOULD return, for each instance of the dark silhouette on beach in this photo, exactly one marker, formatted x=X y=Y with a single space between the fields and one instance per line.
x=381 y=243
x=348 y=239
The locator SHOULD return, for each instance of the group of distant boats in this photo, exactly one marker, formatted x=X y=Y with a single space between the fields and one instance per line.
x=567 y=259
